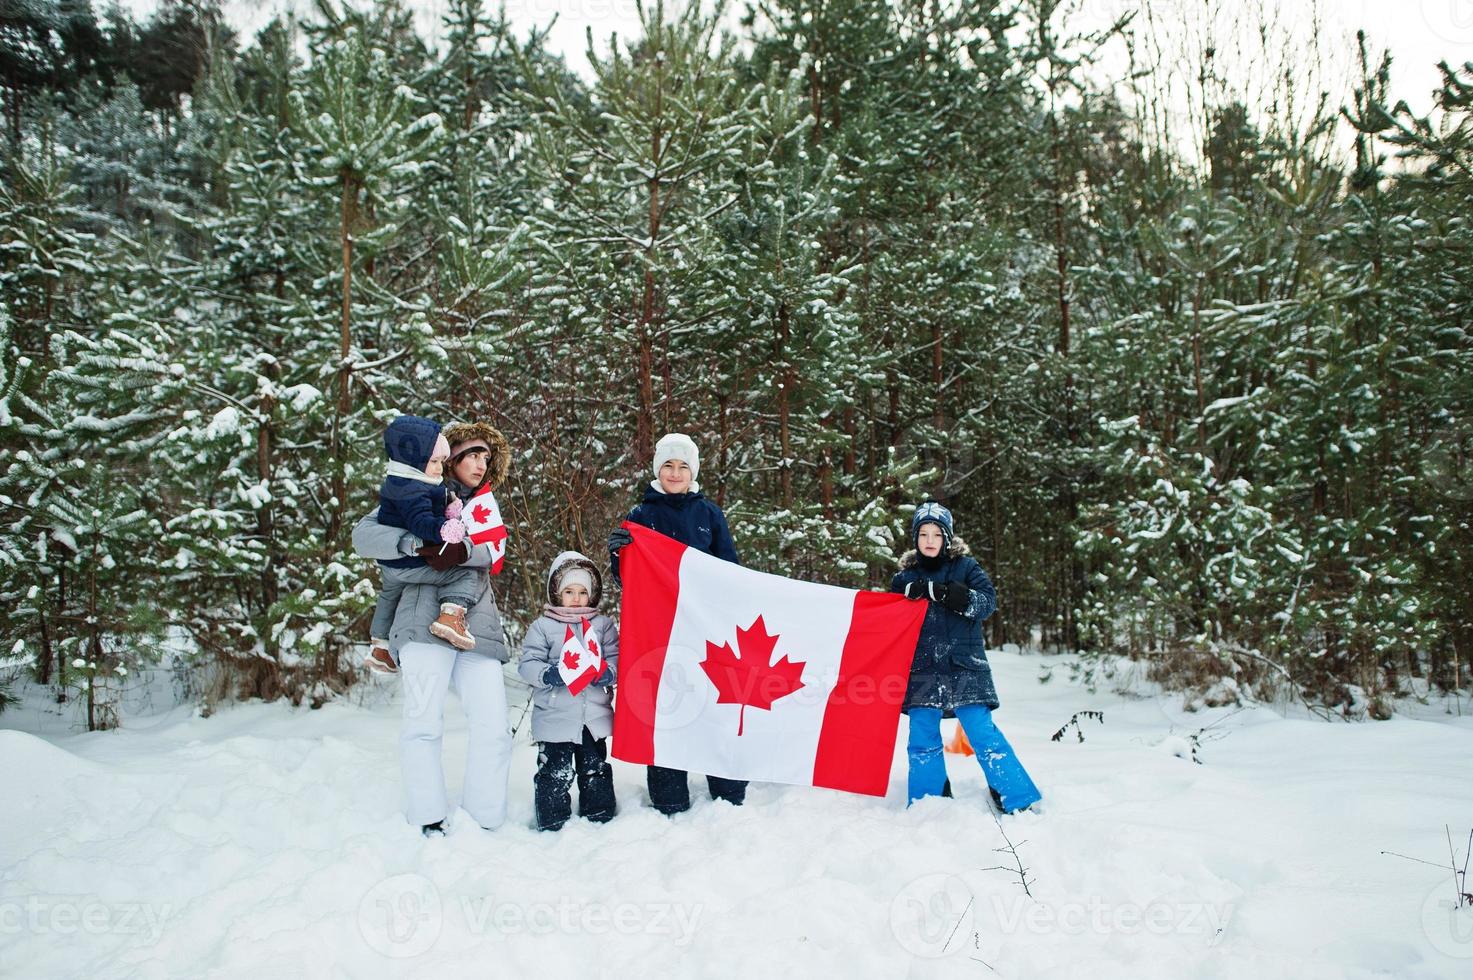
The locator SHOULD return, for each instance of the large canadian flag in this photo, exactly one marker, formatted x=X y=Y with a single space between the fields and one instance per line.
x=731 y=672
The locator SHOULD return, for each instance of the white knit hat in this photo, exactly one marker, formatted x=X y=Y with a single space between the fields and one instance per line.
x=678 y=445
x=575 y=575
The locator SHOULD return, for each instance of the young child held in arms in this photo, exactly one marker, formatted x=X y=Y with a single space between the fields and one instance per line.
x=413 y=496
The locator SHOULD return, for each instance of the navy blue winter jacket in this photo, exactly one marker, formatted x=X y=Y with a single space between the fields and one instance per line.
x=413 y=505
x=950 y=667
x=689 y=518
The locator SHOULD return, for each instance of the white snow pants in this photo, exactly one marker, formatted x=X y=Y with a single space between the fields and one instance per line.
x=427 y=672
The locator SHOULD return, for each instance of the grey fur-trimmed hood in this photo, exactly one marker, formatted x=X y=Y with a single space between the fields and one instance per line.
x=574 y=559
x=957 y=548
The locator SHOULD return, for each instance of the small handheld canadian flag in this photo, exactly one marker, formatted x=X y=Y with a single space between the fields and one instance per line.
x=581 y=660
x=483 y=524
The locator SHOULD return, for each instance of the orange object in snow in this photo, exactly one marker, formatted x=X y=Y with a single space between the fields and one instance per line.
x=958 y=743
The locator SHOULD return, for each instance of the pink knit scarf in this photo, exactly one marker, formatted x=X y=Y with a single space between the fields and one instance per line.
x=569 y=614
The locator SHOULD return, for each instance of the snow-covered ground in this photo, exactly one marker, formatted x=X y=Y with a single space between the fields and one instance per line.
x=267 y=842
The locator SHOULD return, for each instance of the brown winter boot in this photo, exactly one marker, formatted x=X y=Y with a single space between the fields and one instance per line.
x=379 y=660
x=451 y=627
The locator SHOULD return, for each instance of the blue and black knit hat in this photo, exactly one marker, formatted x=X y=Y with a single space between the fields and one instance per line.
x=931 y=512
x=413 y=440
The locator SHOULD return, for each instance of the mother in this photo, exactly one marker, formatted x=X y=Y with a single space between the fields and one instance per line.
x=430 y=667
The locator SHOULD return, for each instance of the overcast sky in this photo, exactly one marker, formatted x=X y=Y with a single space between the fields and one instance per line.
x=1419 y=33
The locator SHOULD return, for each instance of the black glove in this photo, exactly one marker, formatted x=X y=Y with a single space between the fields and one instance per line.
x=453 y=556
x=618 y=538
x=553 y=677
x=955 y=596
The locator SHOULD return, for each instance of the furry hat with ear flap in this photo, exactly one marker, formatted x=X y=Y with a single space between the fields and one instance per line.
x=571 y=566
x=931 y=512
x=466 y=436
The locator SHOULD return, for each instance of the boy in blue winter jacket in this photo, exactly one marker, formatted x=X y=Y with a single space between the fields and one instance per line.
x=674 y=505
x=950 y=672
x=414 y=497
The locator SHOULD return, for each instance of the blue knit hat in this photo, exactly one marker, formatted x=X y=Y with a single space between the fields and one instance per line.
x=413 y=439
x=931 y=512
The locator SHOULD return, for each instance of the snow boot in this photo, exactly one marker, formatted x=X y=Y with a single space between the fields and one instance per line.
x=436 y=829
x=997 y=804
x=379 y=660
x=451 y=627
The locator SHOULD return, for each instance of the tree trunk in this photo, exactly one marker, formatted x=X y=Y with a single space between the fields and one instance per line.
x=12 y=111
x=60 y=613
x=48 y=655
x=938 y=416
x=345 y=367
x=265 y=518
x=722 y=402
x=468 y=77
x=851 y=430
x=1061 y=244
x=1197 y=367
x=784 y=429
x=644 y=446
x=95 y=643
x=826 y=472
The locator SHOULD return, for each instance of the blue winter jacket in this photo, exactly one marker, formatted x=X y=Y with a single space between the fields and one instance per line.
x=417 y=507
x=950 y=667
x=689 y=518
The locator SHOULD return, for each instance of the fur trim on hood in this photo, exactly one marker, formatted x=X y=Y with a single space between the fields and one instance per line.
x=572 y=559
x=957 y=548
x=498 y=462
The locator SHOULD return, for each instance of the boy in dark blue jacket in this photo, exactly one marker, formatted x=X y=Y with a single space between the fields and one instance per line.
x=413 y=496
x=674 y=505
x=950 y=671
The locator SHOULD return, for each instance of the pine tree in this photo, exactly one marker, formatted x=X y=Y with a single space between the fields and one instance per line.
x=640 y=184
x=367 y=136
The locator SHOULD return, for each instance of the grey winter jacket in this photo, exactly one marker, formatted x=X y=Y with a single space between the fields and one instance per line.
x=950 y=667
x=558 y=716
x=418 y=605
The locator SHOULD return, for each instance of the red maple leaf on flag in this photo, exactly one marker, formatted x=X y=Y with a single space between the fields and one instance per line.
x=480 y=514
x=570 y=660
x=750 y=679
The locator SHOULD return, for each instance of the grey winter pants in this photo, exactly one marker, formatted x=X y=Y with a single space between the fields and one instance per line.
x=457 y=585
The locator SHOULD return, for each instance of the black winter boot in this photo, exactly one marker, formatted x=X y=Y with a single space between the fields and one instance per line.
x=595 y=780
x=551 y=797
x=669 y=789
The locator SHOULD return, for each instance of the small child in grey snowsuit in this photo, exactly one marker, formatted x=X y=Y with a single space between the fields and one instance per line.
x=572 y=730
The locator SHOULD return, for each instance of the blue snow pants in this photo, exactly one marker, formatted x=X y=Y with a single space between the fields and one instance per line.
x=1005 y=775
